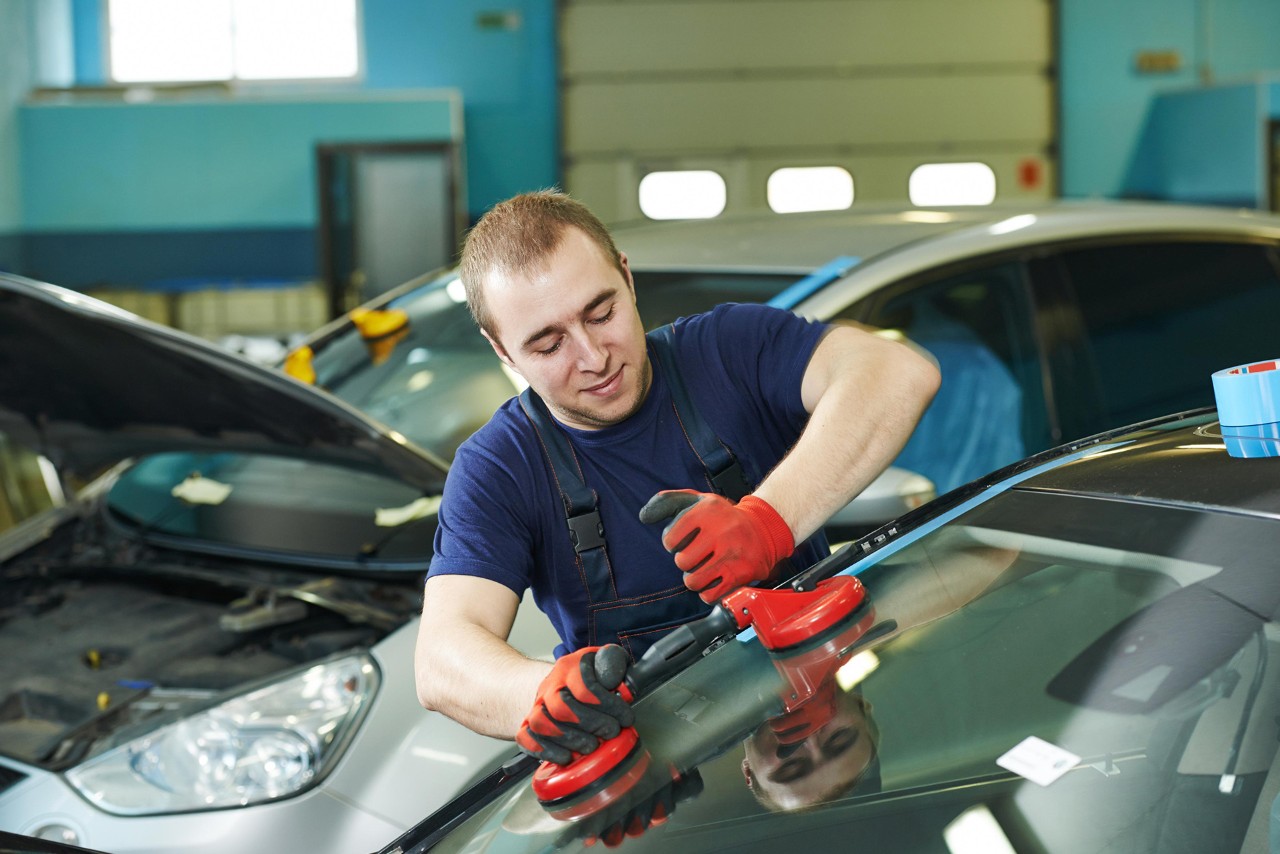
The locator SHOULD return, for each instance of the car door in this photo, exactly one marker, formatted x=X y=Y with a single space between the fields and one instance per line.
x=978 y=323
x=1143 y=325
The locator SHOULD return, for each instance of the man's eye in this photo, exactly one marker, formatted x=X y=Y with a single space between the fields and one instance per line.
x=603 y=318
x=549 y=350
x=792 y=770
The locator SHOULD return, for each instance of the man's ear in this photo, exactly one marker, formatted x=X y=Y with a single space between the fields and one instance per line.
x=626 y=274
x=500 y=351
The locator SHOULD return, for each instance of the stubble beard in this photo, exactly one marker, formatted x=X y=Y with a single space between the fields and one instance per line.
x=584 y=416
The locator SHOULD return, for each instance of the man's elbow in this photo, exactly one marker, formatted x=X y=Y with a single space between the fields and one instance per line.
x=917 y=374
x=427 y=683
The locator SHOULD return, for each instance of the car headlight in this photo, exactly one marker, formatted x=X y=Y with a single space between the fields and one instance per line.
x=271 y=742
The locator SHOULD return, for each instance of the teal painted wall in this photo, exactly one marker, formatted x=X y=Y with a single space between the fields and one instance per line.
x=200 y=165
x=14 y=82
x=507 y=78
x=1204 y=145
x=1105 y=101
x=35 y=50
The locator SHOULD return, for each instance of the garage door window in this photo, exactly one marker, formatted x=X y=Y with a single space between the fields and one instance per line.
x=165 y=41
x=810 y=188
x=945 y=184
x=687 y=194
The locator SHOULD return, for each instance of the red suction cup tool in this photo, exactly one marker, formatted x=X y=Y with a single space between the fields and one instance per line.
x=592 y=780
x=786 y=618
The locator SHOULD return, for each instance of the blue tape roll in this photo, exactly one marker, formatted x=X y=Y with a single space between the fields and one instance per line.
x=1248 y=398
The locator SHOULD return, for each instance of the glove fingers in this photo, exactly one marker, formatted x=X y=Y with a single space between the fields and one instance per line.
x=552 y=730
x=708 y=584
x=592 y=719
x=694 y=556
x=543 y=750
x=593 y=698
x=611 y=665
x=668 y=503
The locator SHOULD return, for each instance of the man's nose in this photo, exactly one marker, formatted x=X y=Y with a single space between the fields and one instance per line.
x=591 y=354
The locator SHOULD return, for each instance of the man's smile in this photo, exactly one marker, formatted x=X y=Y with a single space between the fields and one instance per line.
x=608 y=387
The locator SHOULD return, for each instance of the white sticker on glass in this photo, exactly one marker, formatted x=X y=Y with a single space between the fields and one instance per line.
x=1038 y=761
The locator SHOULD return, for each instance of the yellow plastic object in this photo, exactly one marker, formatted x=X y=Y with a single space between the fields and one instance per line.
x=381 y=329
x=298 y=365
x=104 y=700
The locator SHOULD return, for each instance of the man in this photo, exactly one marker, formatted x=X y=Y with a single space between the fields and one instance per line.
x=812 y=413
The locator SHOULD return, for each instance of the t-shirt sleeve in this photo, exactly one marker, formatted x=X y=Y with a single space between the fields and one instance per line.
x=483 y=523
x=765 y=352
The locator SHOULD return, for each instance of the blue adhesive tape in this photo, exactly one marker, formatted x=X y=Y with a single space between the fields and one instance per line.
x=799 y=291
x=1248 y=398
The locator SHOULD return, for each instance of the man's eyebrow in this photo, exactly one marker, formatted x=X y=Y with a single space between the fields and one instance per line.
x=600 y=298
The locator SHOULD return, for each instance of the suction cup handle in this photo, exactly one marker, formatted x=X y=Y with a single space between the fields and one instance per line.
x=675 y=651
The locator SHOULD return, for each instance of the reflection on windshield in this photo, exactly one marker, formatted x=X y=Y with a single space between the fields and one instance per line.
x=1016 y=690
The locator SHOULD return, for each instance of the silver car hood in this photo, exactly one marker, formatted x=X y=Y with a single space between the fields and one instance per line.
x=87 y=384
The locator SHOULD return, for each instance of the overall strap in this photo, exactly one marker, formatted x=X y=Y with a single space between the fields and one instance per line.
x=722 y=467
x=586 y=530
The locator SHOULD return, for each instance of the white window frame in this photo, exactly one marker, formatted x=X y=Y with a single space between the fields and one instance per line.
x=238 y=82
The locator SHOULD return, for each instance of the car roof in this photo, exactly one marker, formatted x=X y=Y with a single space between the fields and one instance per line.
x=800 y=243
x=1179 y=462
x=1011 y=229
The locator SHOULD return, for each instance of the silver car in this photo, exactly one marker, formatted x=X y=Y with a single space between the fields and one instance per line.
x=1048 y=323
x=210 y=648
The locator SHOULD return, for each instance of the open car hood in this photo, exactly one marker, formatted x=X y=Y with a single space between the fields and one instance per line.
x=88 y=385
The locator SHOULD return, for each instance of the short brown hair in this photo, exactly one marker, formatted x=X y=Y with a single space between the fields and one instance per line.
x=517 y=234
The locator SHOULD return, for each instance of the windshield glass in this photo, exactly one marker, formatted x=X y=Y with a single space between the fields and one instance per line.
x=1044 y=673
x=287 y=509
x=435 y=379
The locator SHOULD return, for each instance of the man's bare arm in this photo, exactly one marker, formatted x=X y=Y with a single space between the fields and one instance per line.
x=463 y=665
x=864 y=394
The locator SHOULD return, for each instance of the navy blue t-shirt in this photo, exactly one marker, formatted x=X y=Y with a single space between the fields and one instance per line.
x=502 y=517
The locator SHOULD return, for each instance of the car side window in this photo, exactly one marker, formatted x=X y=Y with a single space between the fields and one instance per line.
x=1159 y=319
x=989 y=411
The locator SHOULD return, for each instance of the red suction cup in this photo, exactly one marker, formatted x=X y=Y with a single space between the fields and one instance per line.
x=786 y=618
x=591 y=781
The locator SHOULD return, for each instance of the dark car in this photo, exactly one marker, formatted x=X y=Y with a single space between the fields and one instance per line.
x=1077 y=653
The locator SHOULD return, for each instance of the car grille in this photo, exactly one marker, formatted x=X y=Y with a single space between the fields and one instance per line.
x=9 y=777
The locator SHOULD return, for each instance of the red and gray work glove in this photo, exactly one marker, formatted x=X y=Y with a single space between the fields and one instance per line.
x=577 y=705
x=720 y=546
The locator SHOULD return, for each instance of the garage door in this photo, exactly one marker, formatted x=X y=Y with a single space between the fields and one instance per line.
x=745 y=87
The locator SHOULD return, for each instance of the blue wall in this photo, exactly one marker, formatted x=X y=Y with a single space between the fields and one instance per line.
x=508 y=81
x=1105 y=101
x=507 y=78
x=139 y=194
x=1205 y=145
x=136 y=193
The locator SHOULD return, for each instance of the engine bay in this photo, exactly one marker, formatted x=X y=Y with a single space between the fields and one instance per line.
x=100 y=642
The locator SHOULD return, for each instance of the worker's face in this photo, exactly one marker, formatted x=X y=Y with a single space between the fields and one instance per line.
x=804 y=774
x=571 y=329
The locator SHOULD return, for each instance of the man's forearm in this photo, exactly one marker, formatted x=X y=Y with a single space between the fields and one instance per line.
x=465 y=672
x=858 y=425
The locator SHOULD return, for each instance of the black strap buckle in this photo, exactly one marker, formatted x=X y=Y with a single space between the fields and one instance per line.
x=732 y=483
x=586 y=531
